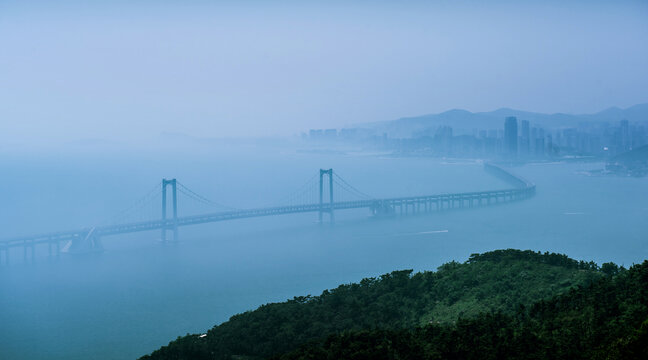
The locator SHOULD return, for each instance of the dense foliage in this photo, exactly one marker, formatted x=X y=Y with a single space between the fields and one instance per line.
x=605 y=320
x=487 y=290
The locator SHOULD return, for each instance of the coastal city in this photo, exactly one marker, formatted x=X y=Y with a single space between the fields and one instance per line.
x=517 y=139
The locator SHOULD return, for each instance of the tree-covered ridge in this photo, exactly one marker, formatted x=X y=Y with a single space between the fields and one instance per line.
x=498 y=281
x=533 y=256
x=607 y=319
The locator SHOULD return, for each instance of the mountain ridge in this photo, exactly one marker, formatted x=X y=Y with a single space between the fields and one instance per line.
x=462 y=119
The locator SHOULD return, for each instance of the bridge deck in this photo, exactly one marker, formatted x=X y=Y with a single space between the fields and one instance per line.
x=523 y=189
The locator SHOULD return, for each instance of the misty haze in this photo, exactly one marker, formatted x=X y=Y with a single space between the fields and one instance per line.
x=331 y=180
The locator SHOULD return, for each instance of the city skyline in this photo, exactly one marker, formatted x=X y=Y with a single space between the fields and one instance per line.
x=516 y=140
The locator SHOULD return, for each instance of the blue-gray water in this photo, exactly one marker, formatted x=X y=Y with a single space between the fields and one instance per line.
x=138 y=294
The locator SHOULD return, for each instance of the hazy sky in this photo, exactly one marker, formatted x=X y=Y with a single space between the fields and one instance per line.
x=129 y=70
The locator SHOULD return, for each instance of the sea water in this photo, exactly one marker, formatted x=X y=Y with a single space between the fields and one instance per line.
x=139 y=294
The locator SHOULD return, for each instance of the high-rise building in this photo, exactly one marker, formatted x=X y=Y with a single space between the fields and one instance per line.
x=511 y=136
x=316 y=134
x=443 y=139
x=540 y=143
x=525 y=138
x=625 y=135
x=330 y=134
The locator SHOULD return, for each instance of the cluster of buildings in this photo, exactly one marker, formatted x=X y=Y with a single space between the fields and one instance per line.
x=599 y=139
x=516 y=140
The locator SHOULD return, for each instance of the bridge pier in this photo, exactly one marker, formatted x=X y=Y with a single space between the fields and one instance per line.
x=381 y=208
x=55 y=245
x=28 y=249
x=57 y=248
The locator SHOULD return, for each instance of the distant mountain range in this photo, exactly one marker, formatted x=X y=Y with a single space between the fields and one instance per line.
x=466 y=120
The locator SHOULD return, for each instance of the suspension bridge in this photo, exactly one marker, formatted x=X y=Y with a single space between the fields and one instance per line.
x=325 y=194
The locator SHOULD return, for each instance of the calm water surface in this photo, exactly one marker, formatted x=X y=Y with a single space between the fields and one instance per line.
x=139 y=294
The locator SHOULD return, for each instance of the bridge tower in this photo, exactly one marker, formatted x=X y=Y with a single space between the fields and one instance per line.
x=329 y=208
x=174 y=195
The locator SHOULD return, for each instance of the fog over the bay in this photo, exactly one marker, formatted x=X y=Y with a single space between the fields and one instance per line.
x=168 y=168
x=128 y=71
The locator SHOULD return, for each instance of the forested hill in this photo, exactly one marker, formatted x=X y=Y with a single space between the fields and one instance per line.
x=494 y=305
